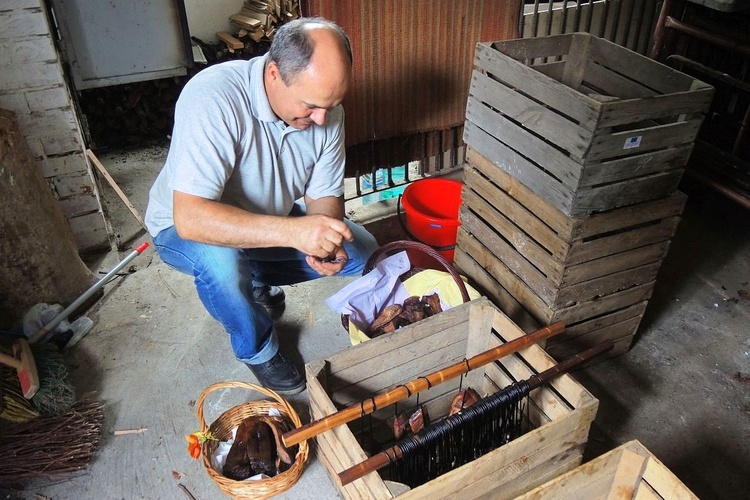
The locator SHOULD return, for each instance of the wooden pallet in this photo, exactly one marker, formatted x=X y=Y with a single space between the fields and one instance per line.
x=583 y=122
x=628 y=471
x=561 y=412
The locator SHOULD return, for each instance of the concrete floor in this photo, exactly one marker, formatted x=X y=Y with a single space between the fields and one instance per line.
x=683 y=390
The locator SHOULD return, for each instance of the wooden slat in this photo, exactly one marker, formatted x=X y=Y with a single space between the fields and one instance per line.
x=608 y=145
x=636 y=110
x=542 y=155
x=628 y=474
x=631 y=217
x=131 y=208
x=563 y=225
x=510 y=257
x=534 y=239
x=613 y=84
x=575 y=65
x=589 y=250
x=353 y=356
x=435 y=350
x=531 y=115
x=553 y=70
x=518 y=166
x=625 y=470
x=599 y=322
x=626 y=192
x=579 y=312
x=611 y=283
x=500 y=297
x=338 y=445
x=540 y=87
x=231 y=42
x=531 y=48
x=662 y=480
x=643 y=164
x=621 y=334
x=505 y=277
x=590 y=480
x=498 y=232
x=614 y=262
x=565 y=385
x=641 y=68
x=427 y=359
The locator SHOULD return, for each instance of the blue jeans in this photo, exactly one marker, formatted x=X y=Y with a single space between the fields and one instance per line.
x=224 y=278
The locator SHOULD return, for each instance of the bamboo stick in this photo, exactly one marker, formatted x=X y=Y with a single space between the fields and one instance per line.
x=393 y=453
x=403 y=391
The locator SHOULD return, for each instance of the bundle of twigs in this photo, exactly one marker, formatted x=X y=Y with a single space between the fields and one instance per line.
x=51 y=445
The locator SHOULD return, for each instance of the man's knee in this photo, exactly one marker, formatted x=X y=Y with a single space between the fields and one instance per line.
x=360 y=249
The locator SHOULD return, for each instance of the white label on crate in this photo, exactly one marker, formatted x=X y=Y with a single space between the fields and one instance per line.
x=632 y=142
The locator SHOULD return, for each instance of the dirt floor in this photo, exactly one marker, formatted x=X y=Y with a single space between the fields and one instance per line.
x=683 y=390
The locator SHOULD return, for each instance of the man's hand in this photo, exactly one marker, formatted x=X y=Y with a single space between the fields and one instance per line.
x=330 y=265
x=321 y=236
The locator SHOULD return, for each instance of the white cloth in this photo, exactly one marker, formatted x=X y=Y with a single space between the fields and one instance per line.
x=364 y=298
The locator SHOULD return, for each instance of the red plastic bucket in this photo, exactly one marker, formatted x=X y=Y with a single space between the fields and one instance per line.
x=431 y=207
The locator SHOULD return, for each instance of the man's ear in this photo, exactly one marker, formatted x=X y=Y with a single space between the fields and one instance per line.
x=273 y=71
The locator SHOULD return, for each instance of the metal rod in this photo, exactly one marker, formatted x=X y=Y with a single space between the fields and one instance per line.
x=708 y=36
x=88 y=293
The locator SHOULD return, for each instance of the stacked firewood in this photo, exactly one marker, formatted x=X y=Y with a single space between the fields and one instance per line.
x=130 y=114
x=256 y=22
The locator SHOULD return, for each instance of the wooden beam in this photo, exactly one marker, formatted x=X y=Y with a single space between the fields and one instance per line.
x=103 y=171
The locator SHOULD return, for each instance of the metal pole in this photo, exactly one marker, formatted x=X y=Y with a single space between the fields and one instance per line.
x=88 y=293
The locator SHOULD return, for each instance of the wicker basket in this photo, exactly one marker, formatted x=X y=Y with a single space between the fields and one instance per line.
x=399 y=245
x=221 y=429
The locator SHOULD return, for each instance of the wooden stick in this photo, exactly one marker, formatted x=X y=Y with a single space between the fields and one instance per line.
x=122 y=432
x=403 y=391
x=111 y=181
x=393 y=453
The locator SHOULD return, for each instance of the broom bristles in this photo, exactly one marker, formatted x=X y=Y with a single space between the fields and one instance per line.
x=51 y=445
x=56 y=394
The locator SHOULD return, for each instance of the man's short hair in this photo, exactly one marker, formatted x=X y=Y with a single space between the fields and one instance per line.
x=292 y=46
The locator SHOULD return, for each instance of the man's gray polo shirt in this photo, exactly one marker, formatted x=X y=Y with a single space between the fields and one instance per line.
x=228 y=145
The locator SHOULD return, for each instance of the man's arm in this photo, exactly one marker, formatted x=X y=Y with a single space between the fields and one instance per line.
x=332 y=206
x=207 y=221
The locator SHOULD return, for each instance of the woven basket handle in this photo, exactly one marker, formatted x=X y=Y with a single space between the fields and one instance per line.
x=241 y=385
x=381 y=252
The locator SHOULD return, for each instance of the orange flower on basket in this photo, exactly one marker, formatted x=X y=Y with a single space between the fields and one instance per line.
x=195 y=442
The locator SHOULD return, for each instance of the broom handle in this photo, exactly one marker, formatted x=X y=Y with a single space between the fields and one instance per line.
x=393 y=453
x=403 y=391
x=41 y=334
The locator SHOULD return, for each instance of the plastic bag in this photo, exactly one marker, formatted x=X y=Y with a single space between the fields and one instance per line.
x=41 y=314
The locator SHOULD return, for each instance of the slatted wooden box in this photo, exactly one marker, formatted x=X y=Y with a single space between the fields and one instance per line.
x=595 y=273
x=628 y=471
x=600 y=128
x=562 y=411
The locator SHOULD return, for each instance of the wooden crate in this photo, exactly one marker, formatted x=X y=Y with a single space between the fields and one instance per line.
x=584 y=123
x=593 y=272
x=562 y=412
x=628 y=471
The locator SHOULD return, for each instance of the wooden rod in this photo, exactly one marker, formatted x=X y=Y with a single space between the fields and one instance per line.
x=92 y=157
x=394 y=453
x=357 y=410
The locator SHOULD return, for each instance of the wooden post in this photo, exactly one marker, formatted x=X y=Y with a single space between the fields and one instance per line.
x=39 y=259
